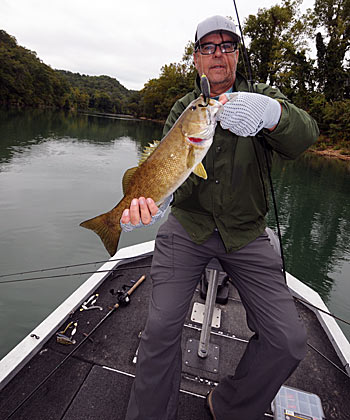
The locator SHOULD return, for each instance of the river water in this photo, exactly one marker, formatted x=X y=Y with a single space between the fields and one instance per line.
x=57 y=170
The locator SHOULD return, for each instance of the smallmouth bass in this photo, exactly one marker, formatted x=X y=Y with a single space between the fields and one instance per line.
x=161 y=172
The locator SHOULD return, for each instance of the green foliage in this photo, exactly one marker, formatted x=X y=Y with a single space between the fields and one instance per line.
x=337 y=121
x=332 y=18
x=279 y=40
x=98 y=93
x=159 y=95
x=333 y=118
x=278 y=48
x=25 y=80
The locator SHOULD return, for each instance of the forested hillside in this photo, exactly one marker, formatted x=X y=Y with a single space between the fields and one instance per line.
x=25 y=81
x=306 y=55
x=102 y=93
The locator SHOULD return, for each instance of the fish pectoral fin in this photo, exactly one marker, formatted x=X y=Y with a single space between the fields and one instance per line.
x=200 y=171
x=128 y=174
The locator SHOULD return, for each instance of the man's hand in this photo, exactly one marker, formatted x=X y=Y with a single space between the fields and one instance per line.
x=245 y=114
x=143 y=212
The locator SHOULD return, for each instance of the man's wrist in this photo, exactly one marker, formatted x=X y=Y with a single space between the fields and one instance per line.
x=272 y=114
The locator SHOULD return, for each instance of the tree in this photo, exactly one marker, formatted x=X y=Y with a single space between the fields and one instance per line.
x=25 y=80
x=332 y=18
x=278 y=46
x=158 y=95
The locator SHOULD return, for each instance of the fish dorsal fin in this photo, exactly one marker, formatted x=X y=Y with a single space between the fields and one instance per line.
x=148 y=150
x=129 y=173
x=200 y=171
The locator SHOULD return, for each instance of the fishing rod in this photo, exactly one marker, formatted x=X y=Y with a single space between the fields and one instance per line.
x=266 y=146
x=245 y=52
x=123 y=299
x=119 y=269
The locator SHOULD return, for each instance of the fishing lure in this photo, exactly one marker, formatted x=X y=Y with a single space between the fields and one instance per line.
x=205 y=88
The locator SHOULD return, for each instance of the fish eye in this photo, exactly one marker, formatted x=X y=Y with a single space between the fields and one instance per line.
x=194 y=108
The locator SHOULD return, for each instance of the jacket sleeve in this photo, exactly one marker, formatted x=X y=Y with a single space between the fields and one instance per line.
x=296 y=130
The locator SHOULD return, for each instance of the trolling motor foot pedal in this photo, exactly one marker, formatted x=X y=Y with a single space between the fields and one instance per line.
x=222 y=288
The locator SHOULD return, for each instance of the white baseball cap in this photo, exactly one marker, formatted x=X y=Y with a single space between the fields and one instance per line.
x=216 y=24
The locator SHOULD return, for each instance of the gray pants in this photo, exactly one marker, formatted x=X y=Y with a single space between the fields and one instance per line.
x=274 y=351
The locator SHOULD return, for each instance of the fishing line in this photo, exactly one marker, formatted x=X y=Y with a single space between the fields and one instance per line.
x=135 y=268
x=265 y=147
x=75 y=274
x=41 y=270
x=274 y=201
x=328 y=360
x=118 y=268
x=308 y=303
x=321 y=310
x=246 y=56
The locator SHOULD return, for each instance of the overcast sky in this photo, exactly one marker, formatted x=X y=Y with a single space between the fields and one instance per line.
x=129 y=40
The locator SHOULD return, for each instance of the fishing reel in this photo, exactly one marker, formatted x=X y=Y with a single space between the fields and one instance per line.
x=122 y=295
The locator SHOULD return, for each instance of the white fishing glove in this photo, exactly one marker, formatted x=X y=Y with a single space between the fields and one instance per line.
x=247 y=113
x=128 y=227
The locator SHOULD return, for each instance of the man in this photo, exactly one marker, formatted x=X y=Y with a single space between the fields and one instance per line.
x=223 y=217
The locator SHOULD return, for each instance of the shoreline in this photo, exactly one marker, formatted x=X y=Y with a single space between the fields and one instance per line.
x=328 y=152
x=331 y=153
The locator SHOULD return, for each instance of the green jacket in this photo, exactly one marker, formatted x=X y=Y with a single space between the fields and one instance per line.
x=234 y=197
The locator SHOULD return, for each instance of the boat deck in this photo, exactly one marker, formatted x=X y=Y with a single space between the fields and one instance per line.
x=95 y=382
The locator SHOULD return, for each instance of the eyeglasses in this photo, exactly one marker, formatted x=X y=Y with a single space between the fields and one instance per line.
x=210 y=48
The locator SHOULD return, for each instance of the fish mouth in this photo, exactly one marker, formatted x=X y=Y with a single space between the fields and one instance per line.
x=197 y=140
x=200 y=139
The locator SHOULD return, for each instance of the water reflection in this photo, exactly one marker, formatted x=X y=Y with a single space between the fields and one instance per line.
x=21 y=129
x=58 y=169
x=314 y=209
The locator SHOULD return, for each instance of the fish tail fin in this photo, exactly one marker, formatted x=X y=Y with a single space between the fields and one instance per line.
x=107 y=227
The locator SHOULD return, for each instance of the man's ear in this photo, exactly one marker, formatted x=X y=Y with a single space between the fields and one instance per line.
x=196 y=61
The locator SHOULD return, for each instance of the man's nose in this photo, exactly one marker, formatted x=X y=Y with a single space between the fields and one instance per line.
x=217 y=52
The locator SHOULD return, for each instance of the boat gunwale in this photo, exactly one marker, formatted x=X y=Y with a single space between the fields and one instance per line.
x=31 y=344
x=13 y=362
x=328 y=323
